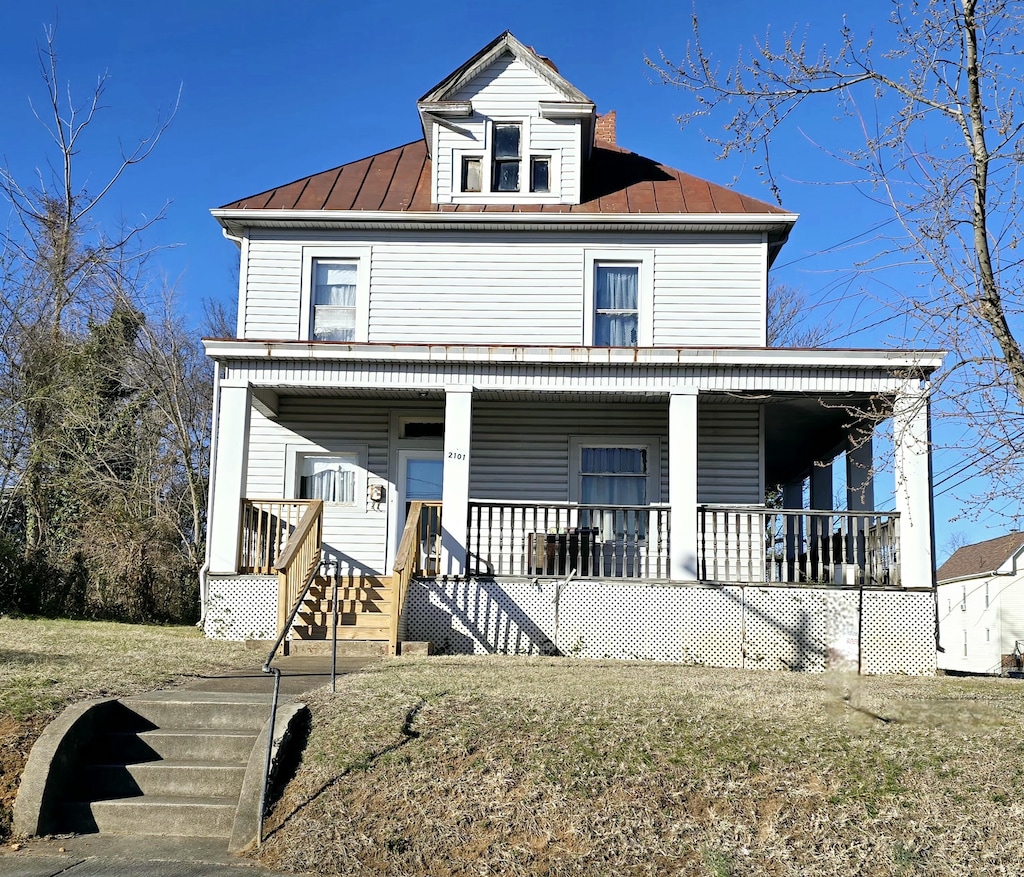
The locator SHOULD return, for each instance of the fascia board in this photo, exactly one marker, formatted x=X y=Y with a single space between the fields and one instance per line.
x=757 y=221
x=720 y=357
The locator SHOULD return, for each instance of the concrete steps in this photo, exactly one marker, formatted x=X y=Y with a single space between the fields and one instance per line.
x=169 y=763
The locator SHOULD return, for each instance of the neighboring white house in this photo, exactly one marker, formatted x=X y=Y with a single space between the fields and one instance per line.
x=559 y=346
x=980 y=596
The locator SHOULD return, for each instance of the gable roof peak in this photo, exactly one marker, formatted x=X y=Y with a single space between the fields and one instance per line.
x=504 y=44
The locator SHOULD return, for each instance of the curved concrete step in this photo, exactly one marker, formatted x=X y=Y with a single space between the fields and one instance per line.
x=187 y=817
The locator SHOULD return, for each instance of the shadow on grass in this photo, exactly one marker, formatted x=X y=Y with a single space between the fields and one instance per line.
x=363 y=764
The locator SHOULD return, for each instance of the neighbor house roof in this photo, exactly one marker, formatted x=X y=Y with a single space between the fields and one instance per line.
x=981 y=558
x=615 y=180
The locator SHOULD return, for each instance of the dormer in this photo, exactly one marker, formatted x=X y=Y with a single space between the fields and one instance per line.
x=506 y=128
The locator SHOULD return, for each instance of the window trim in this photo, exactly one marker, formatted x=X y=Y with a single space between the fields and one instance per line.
x=296 y=454
x=361 y=257
x=484 y=149
x=652 y=444
x=644 y=260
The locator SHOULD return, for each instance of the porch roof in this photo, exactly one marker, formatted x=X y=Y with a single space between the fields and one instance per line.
x=914 y=362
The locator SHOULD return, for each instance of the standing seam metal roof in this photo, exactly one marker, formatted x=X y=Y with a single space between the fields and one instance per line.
x=615 y=181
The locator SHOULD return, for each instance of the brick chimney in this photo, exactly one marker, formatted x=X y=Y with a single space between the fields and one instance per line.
x=605 y=130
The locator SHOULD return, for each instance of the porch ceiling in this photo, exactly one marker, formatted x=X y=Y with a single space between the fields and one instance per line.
x=800 y=430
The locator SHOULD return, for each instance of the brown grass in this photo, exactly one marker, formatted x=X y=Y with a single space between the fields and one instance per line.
x=46 y=665
x=518 y=766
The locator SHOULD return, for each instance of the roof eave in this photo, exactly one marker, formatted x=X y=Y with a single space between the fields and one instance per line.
x=234 y=218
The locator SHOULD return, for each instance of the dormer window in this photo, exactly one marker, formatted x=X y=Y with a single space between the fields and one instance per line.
x=507 y=156
x=540 y=174
x=503 y=164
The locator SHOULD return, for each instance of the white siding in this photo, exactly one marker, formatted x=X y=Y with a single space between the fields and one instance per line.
x=520 y=450
x=461 y=287
x=446 y=177
x=273 y=275
x=507 y=87
x=357 y=535
x=709 y=290
x=728 y=454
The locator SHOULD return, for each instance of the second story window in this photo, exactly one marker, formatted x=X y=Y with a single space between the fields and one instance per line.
x=616 y=305
x=507 y=157
x=334 y=300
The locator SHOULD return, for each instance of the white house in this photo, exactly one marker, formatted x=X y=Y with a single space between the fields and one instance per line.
x=980 y=596
x=555 y=347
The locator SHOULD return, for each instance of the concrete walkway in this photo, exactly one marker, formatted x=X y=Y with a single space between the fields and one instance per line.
x=94 y=855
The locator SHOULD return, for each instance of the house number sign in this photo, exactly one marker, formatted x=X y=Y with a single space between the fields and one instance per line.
x=458 y=454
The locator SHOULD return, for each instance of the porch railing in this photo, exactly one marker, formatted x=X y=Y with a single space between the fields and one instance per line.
x=555 y=539
x=266 y=526
x=781 y=546
x=418 y=554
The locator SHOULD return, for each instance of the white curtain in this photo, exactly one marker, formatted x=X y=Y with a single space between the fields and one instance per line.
x=613 y=476
x=327 y=478
x=616 y=301
x=334 y=302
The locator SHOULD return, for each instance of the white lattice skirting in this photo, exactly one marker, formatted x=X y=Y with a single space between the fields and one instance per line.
x=807 y=629
x=241 y=607
x=749 y=627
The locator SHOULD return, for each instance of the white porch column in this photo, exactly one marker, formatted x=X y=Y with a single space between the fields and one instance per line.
x=860 y=476
x=228 y=478
x=911 y=435
x=682 y=484
x=458 y=431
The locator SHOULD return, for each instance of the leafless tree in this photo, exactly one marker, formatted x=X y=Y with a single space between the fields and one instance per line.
x=788 y=322
x=939 y=146
x=103 y=434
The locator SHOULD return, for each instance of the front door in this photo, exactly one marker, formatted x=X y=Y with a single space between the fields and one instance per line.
x=420 y=476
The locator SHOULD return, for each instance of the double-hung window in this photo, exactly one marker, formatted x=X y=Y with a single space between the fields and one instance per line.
x=334 y=300
x=507 y=156
x=617 y=479
x=613 y=475
x=618 y=297
x=616 y=305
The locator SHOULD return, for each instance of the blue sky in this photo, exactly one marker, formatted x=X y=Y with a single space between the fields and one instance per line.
x=273 y=91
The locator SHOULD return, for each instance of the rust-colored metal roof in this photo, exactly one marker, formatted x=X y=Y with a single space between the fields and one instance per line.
x=615 y=180
x=984 y=557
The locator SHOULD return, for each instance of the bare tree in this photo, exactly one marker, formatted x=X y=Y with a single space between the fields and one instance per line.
x=940 y=147
x=788 y=322
x=103 y=436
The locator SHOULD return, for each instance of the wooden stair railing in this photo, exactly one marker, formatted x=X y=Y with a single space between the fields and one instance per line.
x=410 y=561
x=298 y=563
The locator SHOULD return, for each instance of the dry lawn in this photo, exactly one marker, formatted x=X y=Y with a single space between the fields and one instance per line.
x=520 y=766
x=46 y=665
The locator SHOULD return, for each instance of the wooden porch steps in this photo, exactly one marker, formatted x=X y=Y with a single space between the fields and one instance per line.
x=365 y=607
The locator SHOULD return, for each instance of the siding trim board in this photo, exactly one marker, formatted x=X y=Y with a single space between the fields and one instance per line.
x=340 y=377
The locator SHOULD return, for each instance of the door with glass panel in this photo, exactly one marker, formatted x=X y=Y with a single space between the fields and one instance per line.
x=420 y=477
